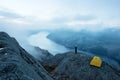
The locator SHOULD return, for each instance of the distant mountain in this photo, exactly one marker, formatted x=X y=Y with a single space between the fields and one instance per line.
x=104 y=43
x=70 y=66
x=17 y=64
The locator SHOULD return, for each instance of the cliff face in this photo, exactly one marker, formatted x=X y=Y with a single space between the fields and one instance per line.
x=16 y=63
x=70 y=66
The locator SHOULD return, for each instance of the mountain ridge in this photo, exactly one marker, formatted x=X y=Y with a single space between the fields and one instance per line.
x=18 y=64
x=71 y=66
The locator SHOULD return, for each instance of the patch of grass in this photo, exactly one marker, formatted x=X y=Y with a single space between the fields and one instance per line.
x=49 y=69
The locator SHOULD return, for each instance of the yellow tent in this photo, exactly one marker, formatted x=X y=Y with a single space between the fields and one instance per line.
x=96 y=61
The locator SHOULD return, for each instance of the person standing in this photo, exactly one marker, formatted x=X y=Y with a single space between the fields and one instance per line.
x=75 y=50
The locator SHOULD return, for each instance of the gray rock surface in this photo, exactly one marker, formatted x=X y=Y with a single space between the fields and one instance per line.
x=70 y=66
x=16 y=63
x=54 y=61
x=42 y=54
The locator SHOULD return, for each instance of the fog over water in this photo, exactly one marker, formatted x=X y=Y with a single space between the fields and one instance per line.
x=40 y=39
x=30 y=21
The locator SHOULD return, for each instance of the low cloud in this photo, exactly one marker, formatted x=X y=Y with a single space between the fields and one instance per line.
x=21 y=27
x=8 y=14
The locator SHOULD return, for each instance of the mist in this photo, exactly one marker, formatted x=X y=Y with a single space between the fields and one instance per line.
x=23 y=29
x=23 y=19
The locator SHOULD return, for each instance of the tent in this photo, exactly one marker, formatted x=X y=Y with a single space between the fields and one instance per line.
x=96 y=61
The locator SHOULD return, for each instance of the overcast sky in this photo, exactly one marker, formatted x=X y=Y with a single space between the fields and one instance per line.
x=40 y=14
x=21 y=17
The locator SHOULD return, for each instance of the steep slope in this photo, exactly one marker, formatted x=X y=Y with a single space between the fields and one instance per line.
x=70 y=66
x=16 y=63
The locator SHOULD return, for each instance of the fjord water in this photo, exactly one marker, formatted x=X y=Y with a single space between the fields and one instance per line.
x=40 y=39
